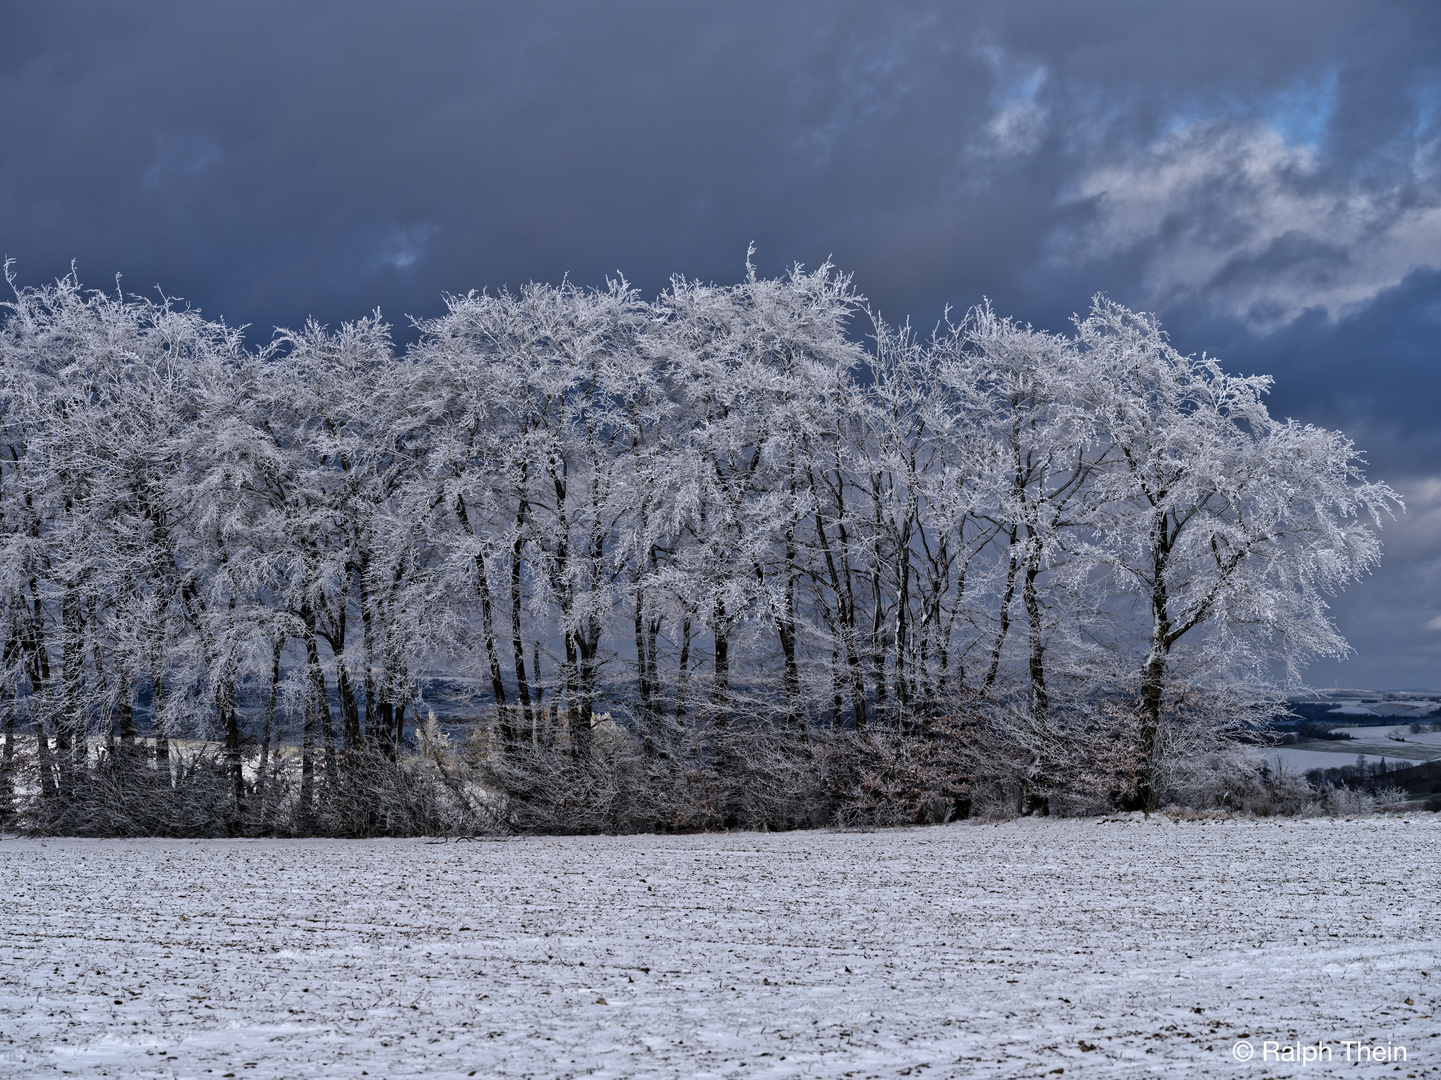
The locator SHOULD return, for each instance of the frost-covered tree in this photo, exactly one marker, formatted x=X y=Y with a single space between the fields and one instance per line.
x=764 y=373
x=344 y=436
x=1227 y=527
x=548 y=394
x=1025 y=402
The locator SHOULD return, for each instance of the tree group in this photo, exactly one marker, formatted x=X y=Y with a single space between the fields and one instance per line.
x=732 y=510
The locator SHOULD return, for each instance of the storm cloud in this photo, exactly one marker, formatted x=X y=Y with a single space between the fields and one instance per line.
x=1266 y=177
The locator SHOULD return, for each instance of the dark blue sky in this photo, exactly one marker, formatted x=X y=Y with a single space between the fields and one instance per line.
x=1266 y=176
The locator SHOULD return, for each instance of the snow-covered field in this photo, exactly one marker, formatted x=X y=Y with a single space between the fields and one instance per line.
x=1104 y=948
x=1370 y=742
x=1301 y=759
x=1423 y=747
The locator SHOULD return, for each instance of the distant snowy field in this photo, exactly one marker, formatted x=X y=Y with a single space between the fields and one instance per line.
x=1110 y=949
x=1297 y=760
x=1396 y=743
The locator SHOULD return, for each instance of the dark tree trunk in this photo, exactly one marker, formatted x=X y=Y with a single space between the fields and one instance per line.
x=537 y=713
x=158 y=702
x=367 y=632
x=1153 y=673
x=517 y=646
x=577 y=708
x=269 y=731
x=306 y=816
x=843 y=622
x=317 y=721
x=492 y=655
x=48 y=787
x=683 y=682
x=349 y=706
x=642 y=670
x=124 y=723
x=720 y=683
x=1040 y=701
x=878 y=648
x=71 y=742
x=230 y=722
x=316 y=676
x=1012 y=568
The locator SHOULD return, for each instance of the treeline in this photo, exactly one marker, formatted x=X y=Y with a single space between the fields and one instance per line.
x=683 y=525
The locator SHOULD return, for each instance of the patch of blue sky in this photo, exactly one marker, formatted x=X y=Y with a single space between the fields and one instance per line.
x=1428 y=109
x=1302 y=114
x=1018 y=116
x=1021 y=91
x=1017 y=83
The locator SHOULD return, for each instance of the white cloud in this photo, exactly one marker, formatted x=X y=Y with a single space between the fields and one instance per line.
x=1017 y=128
x=1019 y=120
x=1434 y=624
x=404 y=247
x=1240 y=216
